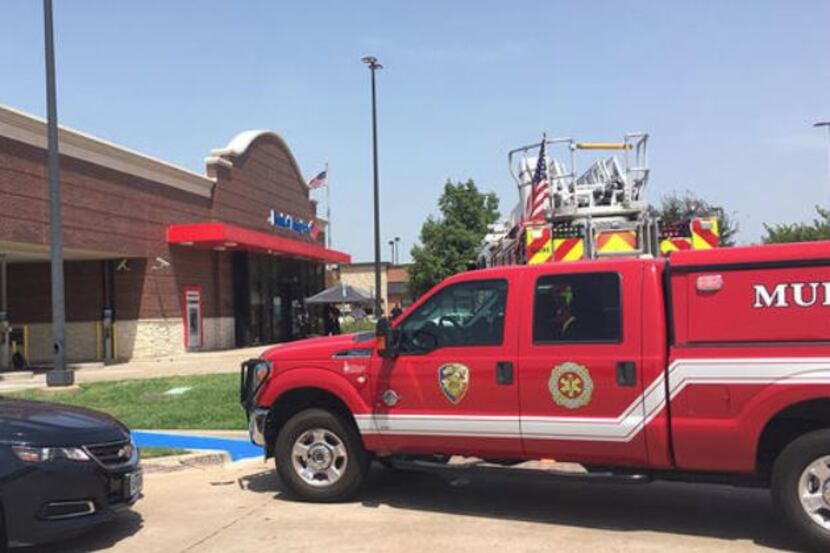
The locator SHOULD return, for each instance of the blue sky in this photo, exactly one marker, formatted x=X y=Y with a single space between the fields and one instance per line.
x=728 y=90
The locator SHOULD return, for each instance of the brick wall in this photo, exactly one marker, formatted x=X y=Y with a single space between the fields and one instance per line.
x=362 y=276
x=113 y=215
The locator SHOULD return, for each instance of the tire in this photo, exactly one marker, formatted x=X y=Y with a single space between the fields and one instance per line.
x=798 y=471
x=320 y=457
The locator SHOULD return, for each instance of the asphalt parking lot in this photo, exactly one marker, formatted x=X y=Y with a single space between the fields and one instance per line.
x=241 y=507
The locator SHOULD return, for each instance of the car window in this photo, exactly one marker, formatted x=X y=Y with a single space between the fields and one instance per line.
x=577 y=308
x=464 y=314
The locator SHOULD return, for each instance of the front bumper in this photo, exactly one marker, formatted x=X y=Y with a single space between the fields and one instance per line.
x=249 y=386
x=257 y=421
x=34 y=496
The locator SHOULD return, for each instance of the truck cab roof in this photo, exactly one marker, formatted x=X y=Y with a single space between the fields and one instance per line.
x=761 y=254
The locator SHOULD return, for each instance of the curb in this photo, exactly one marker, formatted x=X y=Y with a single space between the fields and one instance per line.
x=196 y=459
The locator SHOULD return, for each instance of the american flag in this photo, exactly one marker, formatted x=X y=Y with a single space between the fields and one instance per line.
x=319 y=181
x=539 y=196
x=313 y=230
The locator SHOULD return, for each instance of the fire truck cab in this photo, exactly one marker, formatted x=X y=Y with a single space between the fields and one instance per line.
x=708 y=365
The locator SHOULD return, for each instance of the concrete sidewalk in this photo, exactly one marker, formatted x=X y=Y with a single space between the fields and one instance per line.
x=208 y=362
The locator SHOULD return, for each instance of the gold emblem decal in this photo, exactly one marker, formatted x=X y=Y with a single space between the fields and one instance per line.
x=454 y=381
x=570 y=385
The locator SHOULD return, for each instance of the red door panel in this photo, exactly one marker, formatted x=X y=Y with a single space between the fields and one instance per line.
x=585 y=328
x=448 y=400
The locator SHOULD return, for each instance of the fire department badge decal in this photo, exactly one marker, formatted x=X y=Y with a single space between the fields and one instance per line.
x=454 y=381
x=570 y=385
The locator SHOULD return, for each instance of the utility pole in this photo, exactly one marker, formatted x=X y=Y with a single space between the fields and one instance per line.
x=5 y=346
x=58 y=376
x=373 y=64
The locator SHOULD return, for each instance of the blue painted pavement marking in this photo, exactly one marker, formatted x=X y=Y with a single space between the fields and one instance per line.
x=237 y=449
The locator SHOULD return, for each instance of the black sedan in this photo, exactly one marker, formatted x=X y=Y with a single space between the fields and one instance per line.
x=63 y=470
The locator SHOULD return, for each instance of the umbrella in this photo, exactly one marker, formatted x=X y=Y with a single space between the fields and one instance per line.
x=340 y=293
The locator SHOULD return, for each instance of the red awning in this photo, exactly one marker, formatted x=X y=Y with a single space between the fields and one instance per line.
x=220 y=235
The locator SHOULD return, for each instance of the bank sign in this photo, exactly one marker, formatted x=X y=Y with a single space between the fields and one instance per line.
x=289 y=222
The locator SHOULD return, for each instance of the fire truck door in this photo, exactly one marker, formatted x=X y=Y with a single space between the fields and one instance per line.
x=453 y=388
x=580 y=364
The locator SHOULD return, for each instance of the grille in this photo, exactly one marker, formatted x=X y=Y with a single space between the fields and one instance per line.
x=112 y=454
x=247 y=382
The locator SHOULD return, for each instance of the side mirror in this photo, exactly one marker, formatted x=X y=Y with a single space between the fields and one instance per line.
x=387 y=338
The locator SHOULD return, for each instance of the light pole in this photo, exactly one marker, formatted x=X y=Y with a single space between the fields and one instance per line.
x=397 y=250
x=373 y=64
x=58 y=376
x=827 y=125
x=391 y=251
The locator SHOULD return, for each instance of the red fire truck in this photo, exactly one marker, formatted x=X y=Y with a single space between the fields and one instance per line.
x=706 y=366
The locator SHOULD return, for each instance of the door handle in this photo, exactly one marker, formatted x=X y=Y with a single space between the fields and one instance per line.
x=626 y=373
x=504 y=373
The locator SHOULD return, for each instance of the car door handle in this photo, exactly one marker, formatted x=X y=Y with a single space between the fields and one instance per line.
x=626 y=373
x=504 y=373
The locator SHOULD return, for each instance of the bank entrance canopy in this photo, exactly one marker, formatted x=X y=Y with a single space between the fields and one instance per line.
x=220 y=236
x=340 y=293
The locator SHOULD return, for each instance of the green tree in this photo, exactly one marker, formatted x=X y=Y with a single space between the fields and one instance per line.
x=818 y=229
x=677 y=208
x=451 y=242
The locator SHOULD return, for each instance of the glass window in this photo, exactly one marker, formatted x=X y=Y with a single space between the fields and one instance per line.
x=577 y=308
x=464 y=314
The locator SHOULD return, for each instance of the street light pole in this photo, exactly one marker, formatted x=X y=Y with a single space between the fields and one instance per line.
x=826 y=124
x=58 y=376
x=397 y=250
x=373 y=64
x=391 y=251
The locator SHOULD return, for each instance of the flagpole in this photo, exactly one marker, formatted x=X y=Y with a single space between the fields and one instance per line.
x=549 y=201
x=328 y=208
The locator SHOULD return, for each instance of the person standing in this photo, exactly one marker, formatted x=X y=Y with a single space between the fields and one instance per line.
x=332 y=320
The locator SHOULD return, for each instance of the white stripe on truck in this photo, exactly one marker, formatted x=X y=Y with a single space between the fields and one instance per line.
x=623 y=428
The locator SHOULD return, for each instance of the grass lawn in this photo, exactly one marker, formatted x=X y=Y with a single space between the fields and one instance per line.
x=212 y=403
x=155 y=452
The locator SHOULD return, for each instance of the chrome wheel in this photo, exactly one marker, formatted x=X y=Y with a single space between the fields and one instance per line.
x=319 y=457
x=814 y=491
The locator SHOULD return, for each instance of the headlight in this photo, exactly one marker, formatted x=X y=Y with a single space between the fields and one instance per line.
x=261 y=372
x=44 y=454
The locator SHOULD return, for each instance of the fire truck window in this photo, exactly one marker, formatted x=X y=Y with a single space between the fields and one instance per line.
x=464 y=314
x=577 y=308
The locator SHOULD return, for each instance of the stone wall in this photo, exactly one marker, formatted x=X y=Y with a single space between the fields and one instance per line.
x=219 y=333
x=136 y=339
x=81 y=342
x=149 y=338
